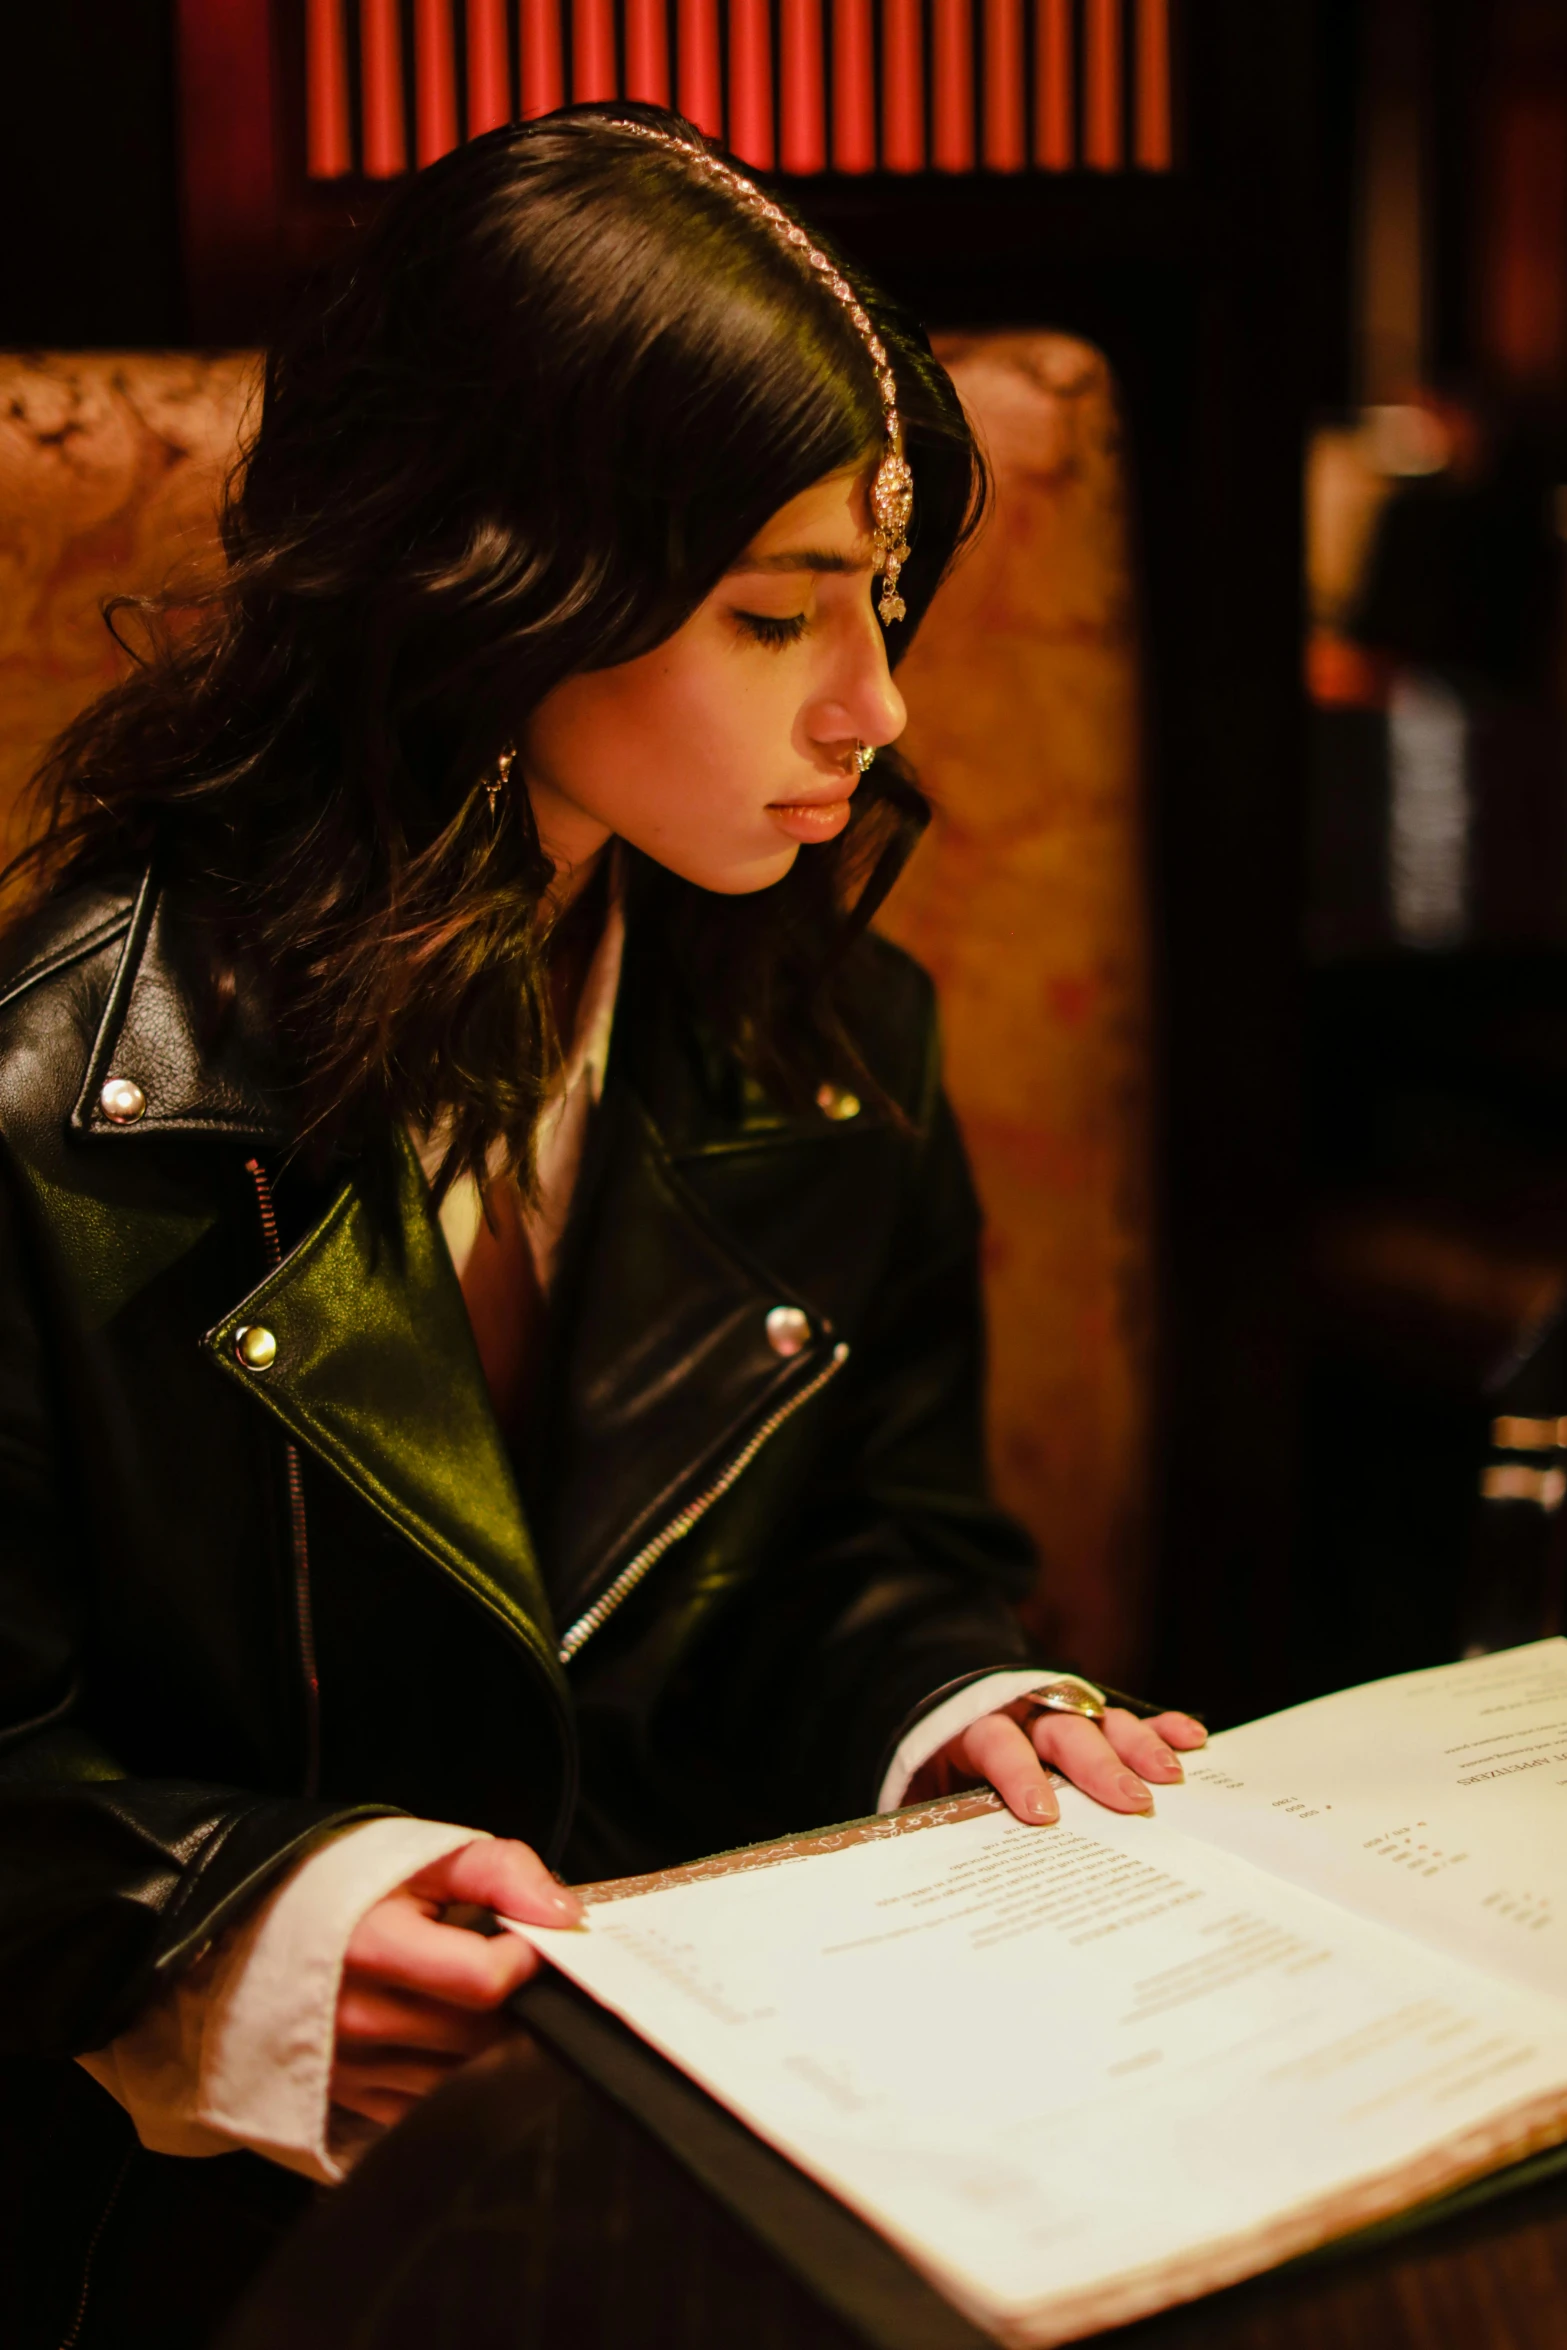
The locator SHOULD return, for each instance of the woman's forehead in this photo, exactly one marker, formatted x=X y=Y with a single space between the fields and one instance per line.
x=825 y=528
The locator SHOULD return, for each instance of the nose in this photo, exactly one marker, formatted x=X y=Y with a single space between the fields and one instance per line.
x=877 y=707
x=867 y=706
x=887 y=713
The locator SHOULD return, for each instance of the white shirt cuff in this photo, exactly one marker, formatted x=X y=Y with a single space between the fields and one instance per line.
x=238 y=2051
x=949 y=1720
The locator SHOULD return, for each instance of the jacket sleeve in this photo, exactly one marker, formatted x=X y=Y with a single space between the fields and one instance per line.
x=897 y=1578
x=109 y=1884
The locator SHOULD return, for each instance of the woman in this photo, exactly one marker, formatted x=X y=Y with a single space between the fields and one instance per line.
x=489 y=1341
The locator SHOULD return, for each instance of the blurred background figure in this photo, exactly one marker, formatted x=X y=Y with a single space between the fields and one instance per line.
x=1436 y=915
x=1435 y=575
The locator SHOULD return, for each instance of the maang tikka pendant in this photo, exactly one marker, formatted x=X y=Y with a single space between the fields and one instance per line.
x=892 y=503
x=892 y=491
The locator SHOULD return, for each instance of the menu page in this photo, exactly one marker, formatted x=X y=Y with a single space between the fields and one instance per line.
x=1074 y=2072
x=1436 y=1801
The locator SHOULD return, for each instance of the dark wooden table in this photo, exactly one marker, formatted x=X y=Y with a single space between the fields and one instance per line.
x=522 y=2209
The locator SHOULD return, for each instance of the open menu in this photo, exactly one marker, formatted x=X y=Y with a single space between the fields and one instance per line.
x=1078 y=2073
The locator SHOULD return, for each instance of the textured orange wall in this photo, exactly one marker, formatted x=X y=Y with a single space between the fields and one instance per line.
x=1026 y=901
x=1027 y=904
x=109 y=472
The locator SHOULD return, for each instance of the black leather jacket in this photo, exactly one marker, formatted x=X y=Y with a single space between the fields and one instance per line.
x=241 y=1599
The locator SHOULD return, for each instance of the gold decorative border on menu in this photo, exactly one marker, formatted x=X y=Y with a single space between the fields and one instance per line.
x=940 y=1812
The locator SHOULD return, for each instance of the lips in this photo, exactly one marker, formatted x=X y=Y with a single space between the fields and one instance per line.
x=829 y=796
x=815 y=816
x=810 y=820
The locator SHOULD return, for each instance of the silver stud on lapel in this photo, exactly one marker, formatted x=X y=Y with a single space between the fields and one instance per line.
x=837 y=1103
x=122 y=1101
x=788 y=1329
x=255 y=1346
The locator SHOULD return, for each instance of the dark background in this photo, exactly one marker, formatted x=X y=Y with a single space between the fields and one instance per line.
x=89 y=169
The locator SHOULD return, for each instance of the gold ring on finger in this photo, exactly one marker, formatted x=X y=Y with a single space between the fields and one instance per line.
x=1070 y=1694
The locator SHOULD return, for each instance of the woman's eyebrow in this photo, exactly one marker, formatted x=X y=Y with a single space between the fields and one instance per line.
x=805 y=559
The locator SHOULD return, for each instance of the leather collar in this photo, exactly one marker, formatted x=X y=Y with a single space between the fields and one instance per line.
x=149 y=1036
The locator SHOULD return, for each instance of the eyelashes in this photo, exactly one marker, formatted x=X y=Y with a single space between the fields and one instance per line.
x=764 y=629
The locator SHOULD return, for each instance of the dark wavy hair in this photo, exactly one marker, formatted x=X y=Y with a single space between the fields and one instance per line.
x=519 y=433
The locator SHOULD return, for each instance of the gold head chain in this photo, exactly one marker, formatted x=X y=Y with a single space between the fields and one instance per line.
x=892 y=491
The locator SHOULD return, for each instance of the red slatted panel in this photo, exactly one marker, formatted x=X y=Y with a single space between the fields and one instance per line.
x=540 y=69
x=435 y=80
x=593 y=73
x=489 y=68
x=853 y=86
x=701 y=80
x=329 y=151
x=1126 y=79
x=751 y=82
x=647 y=52
x=1103 y=143
x=903 y=86
x=803 y=108
x=952 y=85
x=1006 y=139
x=381 y=73
x=1155 y=148
x=1054 y=144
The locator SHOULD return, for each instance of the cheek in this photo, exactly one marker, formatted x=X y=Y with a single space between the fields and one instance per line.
x=674 y=755
x=653 y=739
x=619 y=729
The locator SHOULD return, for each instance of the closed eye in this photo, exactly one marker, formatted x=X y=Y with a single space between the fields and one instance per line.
x=764 y=628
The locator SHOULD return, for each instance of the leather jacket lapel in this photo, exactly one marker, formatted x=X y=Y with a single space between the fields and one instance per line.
x=375 y=1372
x=671 y=1370
x=149 y=1036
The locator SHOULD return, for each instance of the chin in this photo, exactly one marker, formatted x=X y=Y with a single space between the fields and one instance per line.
x=745 y=877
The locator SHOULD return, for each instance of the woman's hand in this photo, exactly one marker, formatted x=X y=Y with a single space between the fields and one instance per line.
x=1118 y=1765
x=419 y=1995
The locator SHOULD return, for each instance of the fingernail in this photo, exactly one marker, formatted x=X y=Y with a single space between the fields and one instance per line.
x=1040 y=1804
x=1172 y=1762
x=568 y=1907
x=1135 y=1791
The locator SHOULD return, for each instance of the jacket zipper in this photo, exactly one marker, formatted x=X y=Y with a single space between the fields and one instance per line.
x=651 y=1552
x=72 y=2334
x=299 y=1544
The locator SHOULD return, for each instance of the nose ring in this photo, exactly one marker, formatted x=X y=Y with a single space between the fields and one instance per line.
x=864 y=753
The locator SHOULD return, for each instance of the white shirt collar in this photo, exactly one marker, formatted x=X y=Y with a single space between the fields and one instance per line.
x=561 y=1135
x=590 y=1037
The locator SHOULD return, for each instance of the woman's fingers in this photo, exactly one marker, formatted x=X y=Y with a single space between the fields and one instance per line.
x=497 y=1873
x=385 y=2087
x=419 y=1995
x=1179 y=1730
x=398 y=1943
x=1140 y=1743
x=998 y=1749
x=385 y=2106
x=1116 y=1765
x=1084 y=1754
x=402 y=1941
x=369 y=2015
x=398 y=2071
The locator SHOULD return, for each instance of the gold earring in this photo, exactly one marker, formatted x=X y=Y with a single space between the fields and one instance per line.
x=496 y=783
x=864 y=753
